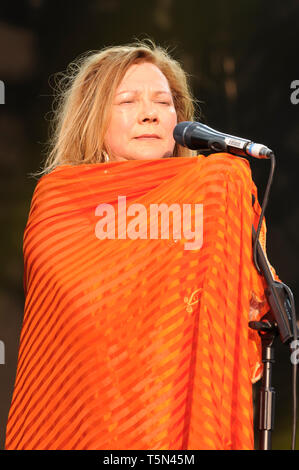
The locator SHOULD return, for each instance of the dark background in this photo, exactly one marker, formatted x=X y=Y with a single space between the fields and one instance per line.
x=242 y=57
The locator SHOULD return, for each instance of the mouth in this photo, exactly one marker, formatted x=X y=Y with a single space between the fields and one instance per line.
x=147 y=136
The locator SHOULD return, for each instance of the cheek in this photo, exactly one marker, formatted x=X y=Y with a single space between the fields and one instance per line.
x=171 y=123
x=174 y=117
x=123 y=119
x=118 y=129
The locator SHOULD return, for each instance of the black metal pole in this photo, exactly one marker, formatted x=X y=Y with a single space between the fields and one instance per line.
x=267 y=392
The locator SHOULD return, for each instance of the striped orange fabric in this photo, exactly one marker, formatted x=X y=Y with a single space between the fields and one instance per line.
x=138 y=344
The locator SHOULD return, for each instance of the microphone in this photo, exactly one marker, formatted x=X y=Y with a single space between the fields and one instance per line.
x=198 y=136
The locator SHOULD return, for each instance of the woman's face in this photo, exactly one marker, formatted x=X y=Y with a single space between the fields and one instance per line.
x=143 y=116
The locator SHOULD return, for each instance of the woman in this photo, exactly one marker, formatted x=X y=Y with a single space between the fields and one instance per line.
x=133 y=339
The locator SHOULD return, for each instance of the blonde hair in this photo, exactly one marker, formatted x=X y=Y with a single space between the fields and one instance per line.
x=85 y=95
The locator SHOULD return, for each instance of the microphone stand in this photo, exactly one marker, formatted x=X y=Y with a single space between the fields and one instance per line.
x=268 y=332
x=277 y=321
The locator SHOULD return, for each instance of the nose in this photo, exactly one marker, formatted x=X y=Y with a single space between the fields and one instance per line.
x=148 y=113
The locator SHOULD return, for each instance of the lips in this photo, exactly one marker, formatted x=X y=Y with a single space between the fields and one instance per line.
x=148 y=136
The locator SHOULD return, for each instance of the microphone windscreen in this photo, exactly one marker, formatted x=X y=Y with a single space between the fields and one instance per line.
x=179 y=132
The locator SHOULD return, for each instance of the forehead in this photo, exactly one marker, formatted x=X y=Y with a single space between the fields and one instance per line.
x=142 y=75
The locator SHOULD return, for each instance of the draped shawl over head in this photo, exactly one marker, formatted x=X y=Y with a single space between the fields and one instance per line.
x=139 y=343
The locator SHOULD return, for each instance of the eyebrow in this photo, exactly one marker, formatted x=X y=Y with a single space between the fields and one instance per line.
x=158 y=92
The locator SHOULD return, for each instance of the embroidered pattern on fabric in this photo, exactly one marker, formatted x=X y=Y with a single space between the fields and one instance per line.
x=192 y=300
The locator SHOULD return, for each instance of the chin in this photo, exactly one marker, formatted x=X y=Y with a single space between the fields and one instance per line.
x=147 y=155
x=144 y=154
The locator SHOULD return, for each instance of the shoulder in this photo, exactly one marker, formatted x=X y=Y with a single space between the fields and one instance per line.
x=226 y=163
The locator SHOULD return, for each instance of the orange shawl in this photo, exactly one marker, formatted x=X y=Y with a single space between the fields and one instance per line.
x=138 y=344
